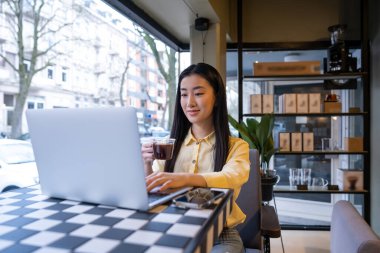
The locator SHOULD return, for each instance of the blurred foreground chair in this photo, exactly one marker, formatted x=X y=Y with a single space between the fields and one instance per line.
x=262 y=222
x=349 y=232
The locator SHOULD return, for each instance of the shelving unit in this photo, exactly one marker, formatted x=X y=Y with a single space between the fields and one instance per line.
x=351 y=118
x=332 y=157
x=326 y=76
x=323 y=114
x=314 y=190
x=318 y=152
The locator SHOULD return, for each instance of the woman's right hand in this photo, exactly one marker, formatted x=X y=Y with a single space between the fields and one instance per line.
x=148 y=158
x=147 y=152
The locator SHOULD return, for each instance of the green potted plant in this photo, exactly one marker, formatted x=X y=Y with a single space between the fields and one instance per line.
x=259 y=135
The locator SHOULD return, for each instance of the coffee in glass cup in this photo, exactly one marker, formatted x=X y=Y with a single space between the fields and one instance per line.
x=163 y=148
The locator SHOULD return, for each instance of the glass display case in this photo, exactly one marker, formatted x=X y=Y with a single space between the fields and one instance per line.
x=322 y=137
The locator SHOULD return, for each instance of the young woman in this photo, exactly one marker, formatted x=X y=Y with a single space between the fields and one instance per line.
x=205 y=154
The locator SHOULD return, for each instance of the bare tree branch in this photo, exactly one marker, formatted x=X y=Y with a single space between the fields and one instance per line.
x=41 y=53
x=10 y=63
x=42 y=34
x=46 y=23
x=122 y=81
x=151 y=42
x=48 y=64
x=12 y=7
x=30 y=3
x=13 y=29
x=168 y=75
x=39 y=7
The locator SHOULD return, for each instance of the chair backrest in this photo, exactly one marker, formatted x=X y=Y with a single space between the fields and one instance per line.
x=350 y=232
x=249 y=201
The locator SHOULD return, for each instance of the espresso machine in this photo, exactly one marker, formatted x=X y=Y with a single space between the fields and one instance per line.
x=337 y=54
x=339 y=59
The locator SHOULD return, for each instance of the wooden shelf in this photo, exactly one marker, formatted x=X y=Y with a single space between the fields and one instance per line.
x=327 y=76
x=322 y=114
x=320 y=152
x=315 y=190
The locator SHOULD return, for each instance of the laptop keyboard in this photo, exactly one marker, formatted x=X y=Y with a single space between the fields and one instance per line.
x=155 y=196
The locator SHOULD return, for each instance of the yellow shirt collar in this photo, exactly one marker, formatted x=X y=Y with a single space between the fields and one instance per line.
x=209 y=139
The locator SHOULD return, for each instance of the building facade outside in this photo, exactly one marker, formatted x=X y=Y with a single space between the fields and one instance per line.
x=100 y=60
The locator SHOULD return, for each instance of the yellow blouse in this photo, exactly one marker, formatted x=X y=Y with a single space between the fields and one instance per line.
x=197 y=156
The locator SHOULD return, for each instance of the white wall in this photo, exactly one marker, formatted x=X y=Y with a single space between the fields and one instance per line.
x=209 y=47
x=375 y=113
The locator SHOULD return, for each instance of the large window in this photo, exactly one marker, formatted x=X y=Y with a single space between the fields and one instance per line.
x=88 y=56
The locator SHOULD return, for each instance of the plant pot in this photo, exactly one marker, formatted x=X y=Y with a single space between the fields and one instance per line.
x=267 y=184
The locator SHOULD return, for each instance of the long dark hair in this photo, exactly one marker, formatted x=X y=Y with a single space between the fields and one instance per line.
x=181 y=124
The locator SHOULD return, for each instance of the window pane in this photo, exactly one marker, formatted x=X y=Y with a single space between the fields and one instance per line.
x=101 y=59
x=50 y=73
x=8 y=100
x=232 y=88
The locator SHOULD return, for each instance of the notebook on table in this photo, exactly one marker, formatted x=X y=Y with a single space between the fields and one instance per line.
x=91 y=155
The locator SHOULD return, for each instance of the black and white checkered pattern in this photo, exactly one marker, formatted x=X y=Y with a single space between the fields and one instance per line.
x=32 y=222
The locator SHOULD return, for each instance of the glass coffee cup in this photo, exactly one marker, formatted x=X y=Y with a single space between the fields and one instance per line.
x=319 y=182
x=163 y=148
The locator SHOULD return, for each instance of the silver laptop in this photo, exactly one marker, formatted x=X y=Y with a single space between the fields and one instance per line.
x=91 y=155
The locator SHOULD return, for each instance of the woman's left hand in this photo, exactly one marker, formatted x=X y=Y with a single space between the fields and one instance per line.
x=166 y=180
x=173 y=180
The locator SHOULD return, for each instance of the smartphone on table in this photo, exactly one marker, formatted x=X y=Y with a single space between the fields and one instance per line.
x=198 y=198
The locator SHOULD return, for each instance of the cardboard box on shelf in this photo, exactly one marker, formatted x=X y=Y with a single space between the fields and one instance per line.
x=350 y=180
x=354 y=110
x=314 y=102
x=267 y=103
x=302 y=103
x=288 y=103
x=296 y=142
x=256 y=103
x=332 y=107
x=353 y=144
x=281 y=104
x=308 y=141
x=284 y=140
x=286 y=68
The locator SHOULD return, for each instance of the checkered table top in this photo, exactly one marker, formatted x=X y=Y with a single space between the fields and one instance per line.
x=32 y=222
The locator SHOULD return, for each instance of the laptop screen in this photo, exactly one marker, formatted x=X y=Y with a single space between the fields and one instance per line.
x=89 y=154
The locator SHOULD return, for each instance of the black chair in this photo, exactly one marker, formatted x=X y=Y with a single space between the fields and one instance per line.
x=261 y=222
